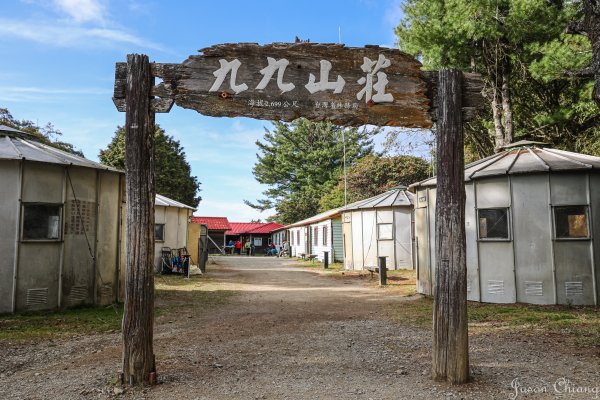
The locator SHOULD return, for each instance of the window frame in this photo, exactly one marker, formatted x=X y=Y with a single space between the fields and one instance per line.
x=324 y=239
x=163 y=232
x=61 y=232
x=508 y=225
x=315 y=238
x=587 y=221
x=379 y=233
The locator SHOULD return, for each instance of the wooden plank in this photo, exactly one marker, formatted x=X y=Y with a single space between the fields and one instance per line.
x=414 y=92
x=450 y=358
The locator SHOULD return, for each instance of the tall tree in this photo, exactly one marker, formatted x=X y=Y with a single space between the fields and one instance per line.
x=47 y=134
x=172 y=172
x=372 y=175
x=516 y=45
x=302 y=160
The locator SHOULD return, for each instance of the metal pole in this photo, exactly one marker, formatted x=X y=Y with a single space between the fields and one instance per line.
x=325 y=259
x=345 y=175
x=382 y=271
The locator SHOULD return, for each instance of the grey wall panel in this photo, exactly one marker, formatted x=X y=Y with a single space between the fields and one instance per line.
x=497 y=272
x=532 y=239
x=357 y=240
x=369 y=236
x=595 y=225
x=471 y=239
x=423 y=244
x=574 y=281
x=493 y=192
x=42 y=182
x=9 y=212
x=108 y=240
x=403 y=238
x=80 y=237
x=37 y=279
x=568 y=189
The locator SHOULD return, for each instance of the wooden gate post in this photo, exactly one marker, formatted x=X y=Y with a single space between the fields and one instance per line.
x=450 y=334
x=138 y=354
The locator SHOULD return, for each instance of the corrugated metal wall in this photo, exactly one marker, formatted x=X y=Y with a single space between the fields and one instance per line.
x=338 y=242
x=10 y=181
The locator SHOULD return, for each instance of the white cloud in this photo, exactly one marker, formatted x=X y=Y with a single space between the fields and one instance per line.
x=233 y=210
x=70 y=35
x=82 y=10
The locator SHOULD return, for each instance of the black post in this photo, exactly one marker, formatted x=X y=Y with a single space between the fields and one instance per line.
x=382 y=271
x=325 y=259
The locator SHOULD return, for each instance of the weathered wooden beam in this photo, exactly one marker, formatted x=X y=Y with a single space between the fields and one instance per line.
x=414 y=91
x=138 y=317
x=450 y=335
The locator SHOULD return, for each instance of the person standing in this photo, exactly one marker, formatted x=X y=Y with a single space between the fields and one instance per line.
x=238 y=247
x=247 y=247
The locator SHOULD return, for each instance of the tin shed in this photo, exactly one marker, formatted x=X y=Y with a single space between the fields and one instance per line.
x=380 y=226
x=532 y=221
x=59 y=224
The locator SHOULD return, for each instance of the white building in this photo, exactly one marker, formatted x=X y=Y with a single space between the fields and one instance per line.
x=59 y=227
x=532 y=219
x=380 y=226
x=171 y=220
x=316 y=235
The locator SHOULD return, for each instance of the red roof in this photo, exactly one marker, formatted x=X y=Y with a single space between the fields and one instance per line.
x=214 y=223
x=244 y=228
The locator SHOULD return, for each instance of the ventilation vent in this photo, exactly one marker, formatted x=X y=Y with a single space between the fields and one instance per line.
x=37 y=296
x=496 y=287
x=574 y=289
x=533 y=288
x=106 y=291
x=77 y=295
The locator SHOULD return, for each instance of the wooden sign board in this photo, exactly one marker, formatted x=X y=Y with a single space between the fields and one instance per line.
x=285 y=81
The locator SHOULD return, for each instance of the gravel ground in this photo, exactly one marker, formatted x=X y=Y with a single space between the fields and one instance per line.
x=295 y=334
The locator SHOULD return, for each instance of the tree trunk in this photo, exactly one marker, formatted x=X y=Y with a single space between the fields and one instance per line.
x=497 y=116
x=138 y=355
x=450 y=335
x=506 y=105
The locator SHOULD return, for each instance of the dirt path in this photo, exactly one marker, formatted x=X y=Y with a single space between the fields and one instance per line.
x=289 y=333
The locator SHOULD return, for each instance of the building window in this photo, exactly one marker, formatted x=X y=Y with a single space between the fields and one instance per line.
x=571 y=222
x=324 y=235
x=316 y=236
x=297 y=237
x=159 y=232
x=493 y=223
x=41 y=221
x=385 y=232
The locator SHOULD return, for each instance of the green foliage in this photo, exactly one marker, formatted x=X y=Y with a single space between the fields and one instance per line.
x=172 y=172
x=373 y=175
x=524 y=41
x=47 y=134
x=302 y=160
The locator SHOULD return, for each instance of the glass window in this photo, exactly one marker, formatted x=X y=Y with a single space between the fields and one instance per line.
x=493 y=223
x=385 y=232
x=571 y=222
x=297 y=237
x=316 y=236
x=159 y=232
x=325 y=235
x=41 y=221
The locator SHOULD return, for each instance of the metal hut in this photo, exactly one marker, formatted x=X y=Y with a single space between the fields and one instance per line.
x=532 y=221
x=380 y=226
x=59 y=224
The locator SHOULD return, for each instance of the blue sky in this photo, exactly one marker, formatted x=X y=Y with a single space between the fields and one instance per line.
x=58 y=66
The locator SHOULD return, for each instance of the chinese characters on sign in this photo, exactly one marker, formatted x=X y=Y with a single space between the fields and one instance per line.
x=374 y=80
